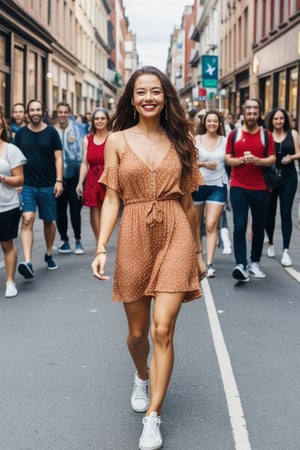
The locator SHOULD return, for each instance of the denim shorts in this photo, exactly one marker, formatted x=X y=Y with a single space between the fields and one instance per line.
x=41 y=197
x=210 y=194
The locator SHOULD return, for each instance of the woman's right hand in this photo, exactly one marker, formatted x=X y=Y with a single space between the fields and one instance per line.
x=79 y=189
x=98 y=266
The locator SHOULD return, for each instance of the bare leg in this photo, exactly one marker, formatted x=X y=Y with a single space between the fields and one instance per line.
x=198 y=218
x=166 y=309
x=10 y=259
x=26 y=234
x=138 y=318
x=49 y=234
x=213 y=214
x=95 y=221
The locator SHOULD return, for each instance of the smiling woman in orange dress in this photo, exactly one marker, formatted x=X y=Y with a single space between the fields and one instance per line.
x=150 y=164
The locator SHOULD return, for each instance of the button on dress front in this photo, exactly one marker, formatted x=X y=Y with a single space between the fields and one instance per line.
x=155 y=249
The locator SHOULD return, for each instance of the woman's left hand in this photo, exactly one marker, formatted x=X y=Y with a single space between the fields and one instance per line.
x=287 y=159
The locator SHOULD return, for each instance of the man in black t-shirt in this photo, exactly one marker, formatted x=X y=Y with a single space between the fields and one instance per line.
x=43 y=176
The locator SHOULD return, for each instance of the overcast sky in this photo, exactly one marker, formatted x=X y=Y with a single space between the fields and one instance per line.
x=153 y=23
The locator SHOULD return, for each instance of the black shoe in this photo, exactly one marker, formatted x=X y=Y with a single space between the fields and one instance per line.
x=50 y=262
x=25 y=269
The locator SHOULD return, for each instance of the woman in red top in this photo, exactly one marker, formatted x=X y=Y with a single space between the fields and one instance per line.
x=92 y=167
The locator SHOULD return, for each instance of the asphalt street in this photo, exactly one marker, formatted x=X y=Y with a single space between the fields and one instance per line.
x=66 y=375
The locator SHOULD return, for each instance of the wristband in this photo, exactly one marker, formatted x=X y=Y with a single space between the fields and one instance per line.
x=58 y=181
x=103 y=252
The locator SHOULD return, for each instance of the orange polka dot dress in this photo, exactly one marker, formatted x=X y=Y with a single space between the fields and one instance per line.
x=156 y=250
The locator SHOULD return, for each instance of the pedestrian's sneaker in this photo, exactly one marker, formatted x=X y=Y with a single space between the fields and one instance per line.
x=64 y=248
x=255 y=270
x=210 y=271
x=240 y=273
x=226 y=241
x=25 y=269
x=11 y=290
x=151 y=437
x=79 y=248
x=271 y=251
x=140 y=394
x=50 y=262
x=227 y=251
x=286 y=259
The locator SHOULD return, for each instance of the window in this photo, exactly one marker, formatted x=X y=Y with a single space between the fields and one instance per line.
x=281 y=89
x=18 y=76
x=268 y=95
x=32 y=75
x=293 y=92
x=2 y=49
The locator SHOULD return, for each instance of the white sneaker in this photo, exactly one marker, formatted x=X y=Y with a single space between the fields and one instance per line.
x=271 y=251
x=11 y=290
x=226 y=241
x=210 y=271
x=151 y=437
x=286 y=259
x=140 y=394
x=240 y=273
x=255 y=270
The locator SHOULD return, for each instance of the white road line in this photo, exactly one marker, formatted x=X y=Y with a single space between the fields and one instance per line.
x=236 y=414
x=293 y=272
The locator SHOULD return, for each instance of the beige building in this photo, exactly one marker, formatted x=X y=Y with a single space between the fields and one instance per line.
x=63 y=50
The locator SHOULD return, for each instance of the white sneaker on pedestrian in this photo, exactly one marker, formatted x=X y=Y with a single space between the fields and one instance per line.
x=140 y=394
x=210 y=271
x=240 y=273
x=151 y=436
x=271 y=251
x=255 y=270
x=78 y=248
x=226 y=241
x=286 y=259
x=11 y=290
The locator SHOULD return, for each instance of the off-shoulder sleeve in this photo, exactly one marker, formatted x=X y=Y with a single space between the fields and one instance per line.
x=191 y=182
x=110 y=178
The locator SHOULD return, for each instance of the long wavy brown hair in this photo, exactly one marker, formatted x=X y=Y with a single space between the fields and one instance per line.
x=172 y=118
x=4 y=133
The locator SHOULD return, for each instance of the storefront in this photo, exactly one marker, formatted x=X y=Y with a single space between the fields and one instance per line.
x=278 y=68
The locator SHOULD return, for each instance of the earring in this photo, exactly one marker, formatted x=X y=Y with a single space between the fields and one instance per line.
x=134 y=113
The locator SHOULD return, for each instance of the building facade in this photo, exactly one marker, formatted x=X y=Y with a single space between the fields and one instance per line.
x=256 y=47
x=63 y=50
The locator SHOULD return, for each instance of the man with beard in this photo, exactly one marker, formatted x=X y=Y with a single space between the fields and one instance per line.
x=245 y=153
x=43 y=183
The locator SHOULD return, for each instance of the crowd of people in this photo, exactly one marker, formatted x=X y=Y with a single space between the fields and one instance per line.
x=54 y=155
x=174 y=176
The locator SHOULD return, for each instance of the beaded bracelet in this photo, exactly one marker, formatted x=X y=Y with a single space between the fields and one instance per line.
x=198 y=251
x=103 y=252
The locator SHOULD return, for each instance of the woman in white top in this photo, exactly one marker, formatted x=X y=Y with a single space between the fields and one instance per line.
x=210 y=199
x=11 y=176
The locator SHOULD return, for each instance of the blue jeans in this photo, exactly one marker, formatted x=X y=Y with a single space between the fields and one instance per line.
x=286 y=194
x=241 y=201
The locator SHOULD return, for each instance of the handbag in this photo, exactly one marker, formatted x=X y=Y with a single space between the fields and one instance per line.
x=273 y=177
